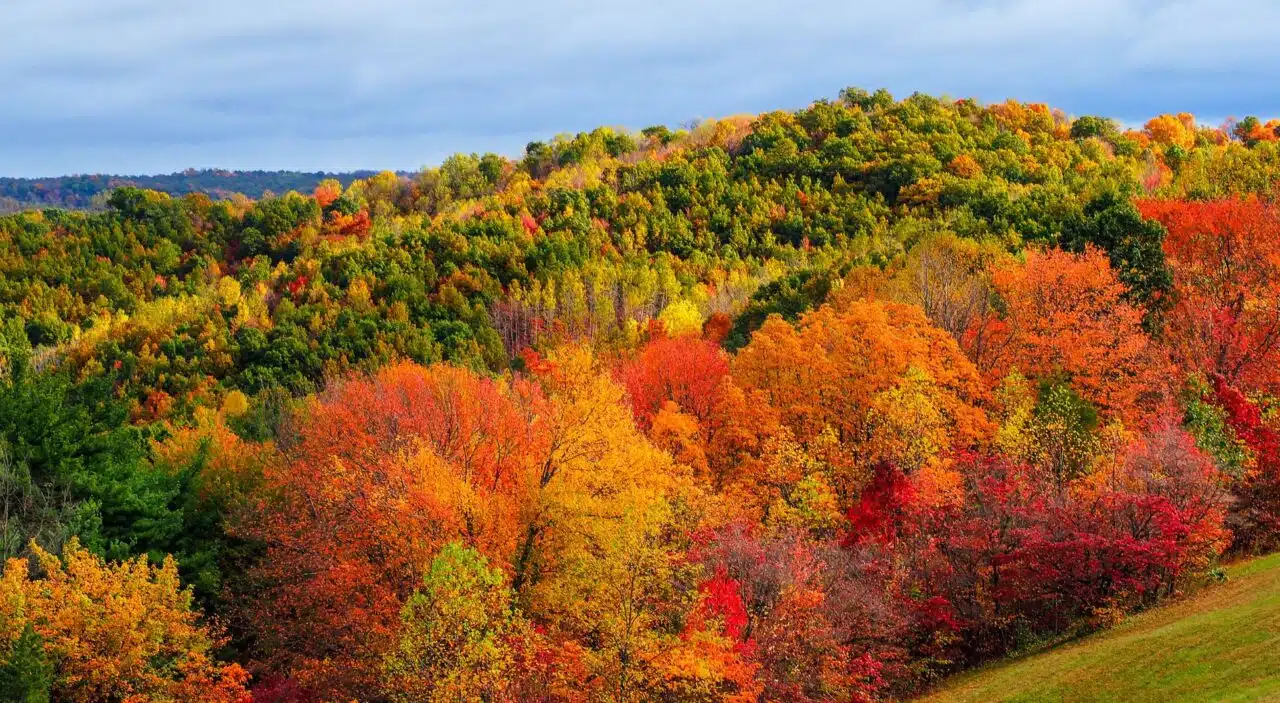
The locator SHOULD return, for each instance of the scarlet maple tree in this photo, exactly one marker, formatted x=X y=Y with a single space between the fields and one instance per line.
x=1225 y=256
x=686 y=370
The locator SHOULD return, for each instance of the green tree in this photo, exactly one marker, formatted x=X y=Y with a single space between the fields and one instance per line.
x=1091 y=126
x=71 y=464
x=26 y=674
x=458 y=631
x=15 y=350
x=1134 y=245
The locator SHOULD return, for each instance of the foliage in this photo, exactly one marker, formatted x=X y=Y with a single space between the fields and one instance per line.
x=1065 y=316
x=26 y=674
x=111 y=631
x=814 y=405
x=1224 y=258
x=458 y=634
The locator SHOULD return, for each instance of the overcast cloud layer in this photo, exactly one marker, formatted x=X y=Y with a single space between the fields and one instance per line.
x=147 y=86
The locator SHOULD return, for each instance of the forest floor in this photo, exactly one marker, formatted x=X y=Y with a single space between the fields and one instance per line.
x=1220 y=644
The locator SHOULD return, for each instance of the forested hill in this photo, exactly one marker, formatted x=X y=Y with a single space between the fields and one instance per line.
x=89 y=191
x=811 y=406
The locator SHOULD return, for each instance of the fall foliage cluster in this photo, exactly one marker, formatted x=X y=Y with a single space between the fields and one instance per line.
x=814 y=406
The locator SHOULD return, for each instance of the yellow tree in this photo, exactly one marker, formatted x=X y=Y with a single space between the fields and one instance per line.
x=600 y=559
x=907 y=426
x=1170 y=130
x=459 y=634
x=586 y=463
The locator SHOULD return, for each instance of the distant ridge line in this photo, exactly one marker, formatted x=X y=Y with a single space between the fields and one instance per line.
x=88 y=191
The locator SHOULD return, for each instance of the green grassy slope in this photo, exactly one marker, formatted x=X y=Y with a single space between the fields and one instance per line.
x=1221 y=645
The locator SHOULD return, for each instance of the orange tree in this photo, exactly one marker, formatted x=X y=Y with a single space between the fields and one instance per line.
x=114 y=631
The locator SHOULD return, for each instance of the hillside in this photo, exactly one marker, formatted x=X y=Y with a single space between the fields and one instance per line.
x=816 y=405
x=1219 y=645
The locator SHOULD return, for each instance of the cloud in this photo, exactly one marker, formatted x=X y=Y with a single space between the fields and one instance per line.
x=144 y=85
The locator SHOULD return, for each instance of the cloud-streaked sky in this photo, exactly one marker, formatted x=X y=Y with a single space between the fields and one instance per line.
x=148 y=86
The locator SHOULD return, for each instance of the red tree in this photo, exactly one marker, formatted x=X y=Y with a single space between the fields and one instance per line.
x=1225 y=256
x=1255 y=516
x=685 y=369
x=378 y=474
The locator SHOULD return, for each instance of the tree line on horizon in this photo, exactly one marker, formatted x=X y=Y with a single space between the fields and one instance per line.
x=90 y=191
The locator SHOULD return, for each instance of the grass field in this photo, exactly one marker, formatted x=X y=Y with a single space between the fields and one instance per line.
x=1222 y=644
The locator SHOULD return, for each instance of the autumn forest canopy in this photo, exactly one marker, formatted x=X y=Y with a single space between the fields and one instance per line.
x=814 y=406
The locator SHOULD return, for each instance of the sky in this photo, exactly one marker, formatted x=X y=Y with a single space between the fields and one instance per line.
x=155 y=86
